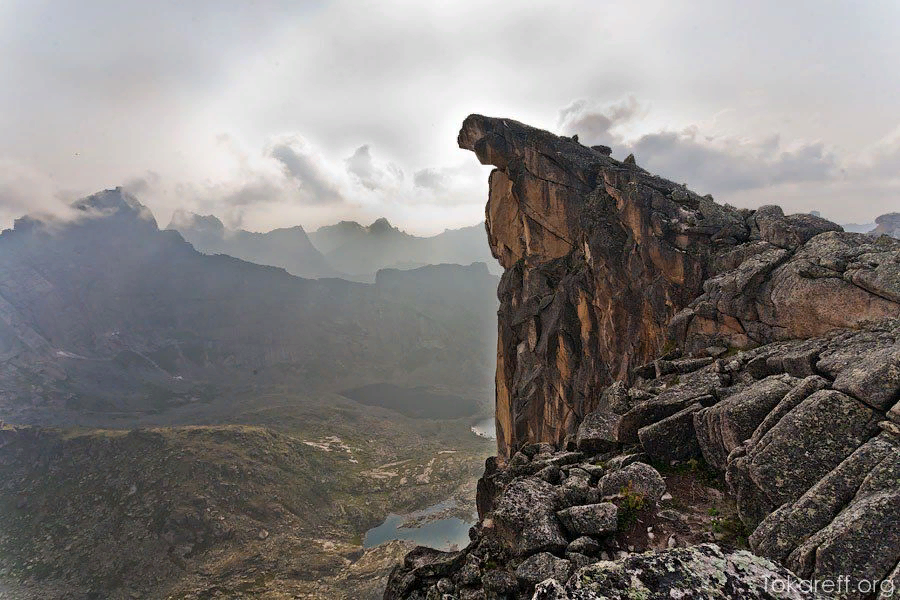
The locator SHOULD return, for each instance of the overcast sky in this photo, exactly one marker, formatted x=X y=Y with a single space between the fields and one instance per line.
x=273 y=114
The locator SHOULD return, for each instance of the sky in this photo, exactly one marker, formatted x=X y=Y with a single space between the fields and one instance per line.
x=272 y=114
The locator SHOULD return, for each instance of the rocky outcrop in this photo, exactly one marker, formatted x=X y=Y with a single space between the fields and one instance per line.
x=546 y=514
x=888 y=224
x=811 y=460
x=643 y=328
x=833 y=280
x=584 y=534
x=806 y=433
x=608 y=266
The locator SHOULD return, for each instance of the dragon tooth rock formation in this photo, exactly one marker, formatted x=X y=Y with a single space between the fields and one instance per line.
x=643 y=324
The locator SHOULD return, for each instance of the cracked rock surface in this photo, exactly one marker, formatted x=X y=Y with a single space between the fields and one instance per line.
x=606 y=262
x=644 y=328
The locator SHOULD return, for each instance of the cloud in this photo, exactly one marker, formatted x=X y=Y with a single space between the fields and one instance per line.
x=360 y=164
x=258 y=190
x=24 y=190
x=142 y=184
x=137 y=86
x=707 y=162
x=432 y=179
x=882 y=160
x=727 y=164
x=372 y=176
x=290 y=181
x=462 y=184
x=307 y=170
x=594 y=123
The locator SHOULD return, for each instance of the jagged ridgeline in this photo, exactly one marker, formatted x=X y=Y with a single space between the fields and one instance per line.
x=108 y=320
x=659 y=351
x=347 y=249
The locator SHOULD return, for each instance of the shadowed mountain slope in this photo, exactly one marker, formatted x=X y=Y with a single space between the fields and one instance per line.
x=107 y=314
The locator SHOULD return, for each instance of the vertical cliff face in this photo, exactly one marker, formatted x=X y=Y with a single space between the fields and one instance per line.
x=598 y=259
x=609 y=267
x=622 y=298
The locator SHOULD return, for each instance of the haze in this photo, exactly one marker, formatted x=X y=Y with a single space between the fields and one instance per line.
x=284 y=113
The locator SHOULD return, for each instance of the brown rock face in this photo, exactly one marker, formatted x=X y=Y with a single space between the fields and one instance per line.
x=607 y=265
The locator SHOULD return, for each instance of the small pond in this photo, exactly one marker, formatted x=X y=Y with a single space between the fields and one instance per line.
x=441 y=534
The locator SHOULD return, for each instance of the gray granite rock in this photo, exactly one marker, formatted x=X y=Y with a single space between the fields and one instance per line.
x=702 y=572
x=541 y=566
x=639 y=478
x=590 y=519
x=525 y=517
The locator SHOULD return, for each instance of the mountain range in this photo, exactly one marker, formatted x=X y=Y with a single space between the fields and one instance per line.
x=289 y=248
x=346 y=249
x=107 y=315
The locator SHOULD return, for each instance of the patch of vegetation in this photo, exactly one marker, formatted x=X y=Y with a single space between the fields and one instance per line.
x=696 y=467
x=636 y=593
x=731 y=527
x=630 y=505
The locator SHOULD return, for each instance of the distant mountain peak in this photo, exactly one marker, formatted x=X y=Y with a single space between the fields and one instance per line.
x=114 y=201
x=344 y=226
x=288 y=248
x=184 y=220
x=888 y=219
x=381 y=225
